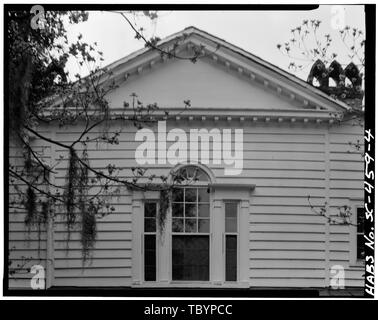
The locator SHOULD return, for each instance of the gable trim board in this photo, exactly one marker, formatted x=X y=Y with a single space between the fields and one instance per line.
x=246 y=114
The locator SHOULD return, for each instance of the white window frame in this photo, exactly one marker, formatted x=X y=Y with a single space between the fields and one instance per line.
x=219 y=192
x=156 y=233
x=209 y=234
x=225 y=233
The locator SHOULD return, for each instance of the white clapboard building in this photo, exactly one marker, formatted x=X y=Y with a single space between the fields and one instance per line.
x=265 y=209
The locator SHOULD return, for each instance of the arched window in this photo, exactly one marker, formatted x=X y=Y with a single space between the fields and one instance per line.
x=204 y=231
x=191 y=225
x=190 y=174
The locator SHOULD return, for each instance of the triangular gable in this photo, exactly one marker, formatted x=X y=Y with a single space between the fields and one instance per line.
x=206 y=84
x=224 y=60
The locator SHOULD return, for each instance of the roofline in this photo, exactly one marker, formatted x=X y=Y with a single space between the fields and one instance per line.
x=237 y=50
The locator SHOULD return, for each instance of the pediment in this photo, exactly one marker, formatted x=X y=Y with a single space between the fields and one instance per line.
x=223 y=78
x=206 y=84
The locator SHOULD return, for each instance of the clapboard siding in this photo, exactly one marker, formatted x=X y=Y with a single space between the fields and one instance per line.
x=85 y=281
x=289 y=158
x=114 y=235
x=27 y=244
x=287 y=282
x=301 y=218
x=248 y=155
x=248 y=164
x=97 y=253
x=287 y=240
x=288 y=245
x=291 y=264
x=346 y=181
x=91 y=272
x=63 y=264
x=288 y=273
x=282 y=233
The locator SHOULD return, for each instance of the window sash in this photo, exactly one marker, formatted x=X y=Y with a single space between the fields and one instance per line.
x=231 y=258
x=192 y=259
x=360 y=233
x=149 y=262
x=181 y=218
x=229 y=233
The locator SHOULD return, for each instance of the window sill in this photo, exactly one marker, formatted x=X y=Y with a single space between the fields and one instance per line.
x=191 y=284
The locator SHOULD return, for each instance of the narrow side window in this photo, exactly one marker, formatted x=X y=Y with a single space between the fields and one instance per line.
x=360 y=233
x=149 y=241
x=231 y=240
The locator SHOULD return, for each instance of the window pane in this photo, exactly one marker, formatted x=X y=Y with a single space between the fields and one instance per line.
x=231 y=209
x=203 y=225
x=231 y=222
x=201 y=176
x=178 y=195
x=193 y=173
x=190 y=195
x=188 y=172
x=150 y=257
x=231 y=257
x=360 y=219
x=203 y=195
x=150 y=209
x=150 y=225
x=149 y=241
x=177 y=210
x=231 y=225
x=360 y=246
x=190 y=210
x=177 y=225
x=190 y=258
x=190 y=225
x=203 y=210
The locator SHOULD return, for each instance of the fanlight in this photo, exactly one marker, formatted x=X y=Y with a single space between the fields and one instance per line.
x=190 y=174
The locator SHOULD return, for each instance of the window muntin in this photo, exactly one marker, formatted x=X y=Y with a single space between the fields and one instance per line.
x=231 y=215
x=191 y=210
x=190 y=234
x=191 y=226
x=149 y=239
x=360 y=233
x=191 y=174
x=231 y=240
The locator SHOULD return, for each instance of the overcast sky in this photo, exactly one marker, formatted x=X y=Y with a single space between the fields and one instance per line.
x=255 y=31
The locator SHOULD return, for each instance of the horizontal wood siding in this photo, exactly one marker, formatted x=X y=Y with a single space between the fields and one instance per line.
x=110 y=262
x=346 y=186
x=27 y=245
x=287 y=240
